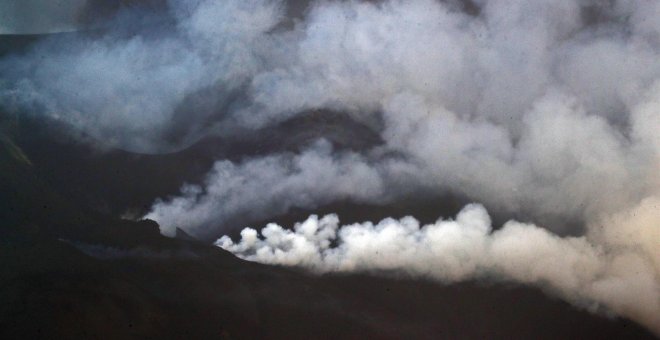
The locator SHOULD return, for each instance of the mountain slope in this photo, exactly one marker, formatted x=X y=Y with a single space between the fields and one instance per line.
x=70 y=272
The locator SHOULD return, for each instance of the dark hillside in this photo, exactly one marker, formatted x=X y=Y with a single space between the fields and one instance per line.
x=70 y=272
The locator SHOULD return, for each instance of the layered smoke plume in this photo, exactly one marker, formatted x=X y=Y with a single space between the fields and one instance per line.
x=547 y=109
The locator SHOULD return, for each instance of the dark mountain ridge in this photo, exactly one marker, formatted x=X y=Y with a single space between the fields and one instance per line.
x=69 y=271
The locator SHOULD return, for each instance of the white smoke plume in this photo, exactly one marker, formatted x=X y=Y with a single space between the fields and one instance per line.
x=615 y=268
x=547 y=108
x=542 y=108
x=126 y=88
x=269 y=186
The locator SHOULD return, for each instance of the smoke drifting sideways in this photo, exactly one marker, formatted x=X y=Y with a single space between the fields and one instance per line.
x=546 y=108
x=614 y=269
x=528 y=108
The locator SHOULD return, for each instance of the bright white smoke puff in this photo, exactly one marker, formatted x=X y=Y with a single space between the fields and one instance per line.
x=549 y=108
x=616 y=267
x=526 y=107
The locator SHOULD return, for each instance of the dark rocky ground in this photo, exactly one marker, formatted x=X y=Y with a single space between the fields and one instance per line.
x=70 y=269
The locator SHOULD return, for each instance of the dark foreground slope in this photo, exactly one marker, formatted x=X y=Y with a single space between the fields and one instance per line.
x=70 y=272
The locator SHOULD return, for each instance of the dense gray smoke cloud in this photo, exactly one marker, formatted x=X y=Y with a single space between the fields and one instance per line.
x=126 y=88
x=548 y=108
x=525 y=107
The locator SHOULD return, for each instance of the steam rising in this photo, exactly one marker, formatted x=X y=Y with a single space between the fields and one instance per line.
x=269 y=186
x=614 y=268
x=549 y=108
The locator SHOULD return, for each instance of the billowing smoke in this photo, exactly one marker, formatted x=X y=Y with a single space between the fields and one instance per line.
x=549 y=109
x=613 y=268
x=269 y=186
x=139 y=86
